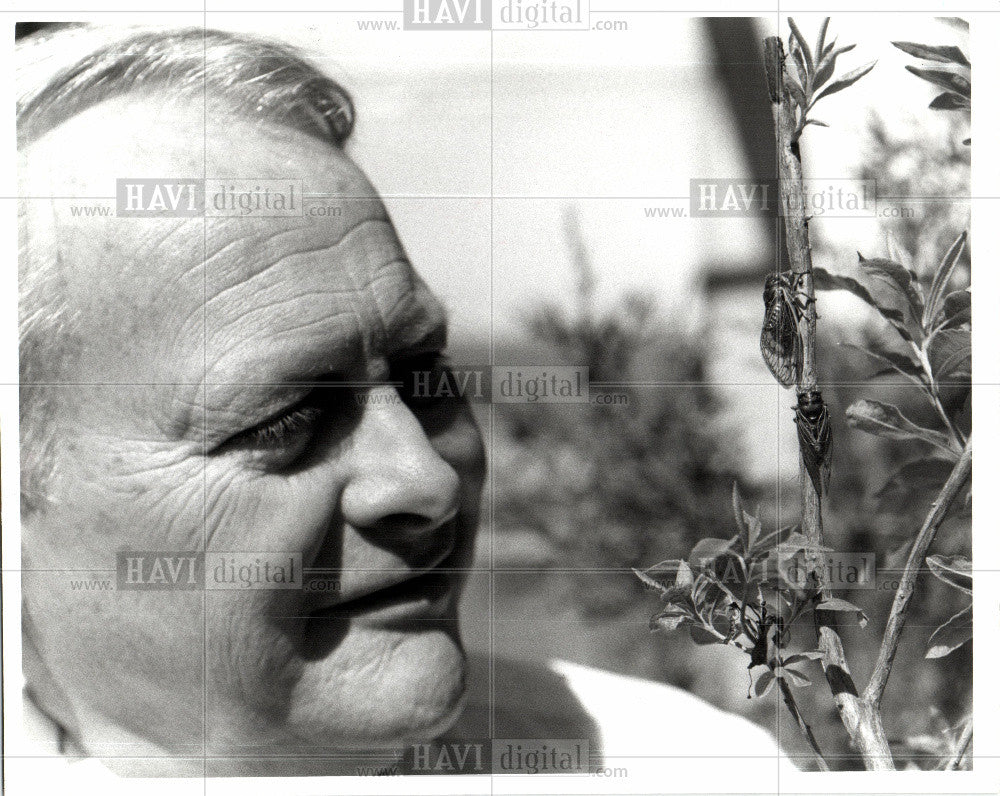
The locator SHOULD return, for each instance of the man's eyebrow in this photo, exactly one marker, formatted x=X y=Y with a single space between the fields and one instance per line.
x=433 y=339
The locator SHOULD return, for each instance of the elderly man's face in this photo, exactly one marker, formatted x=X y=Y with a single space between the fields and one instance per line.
x=228 y=390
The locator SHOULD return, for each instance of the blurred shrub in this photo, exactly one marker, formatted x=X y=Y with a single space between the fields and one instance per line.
x=614 y=486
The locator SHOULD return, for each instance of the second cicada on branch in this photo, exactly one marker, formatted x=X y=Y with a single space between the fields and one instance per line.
x=812 y=421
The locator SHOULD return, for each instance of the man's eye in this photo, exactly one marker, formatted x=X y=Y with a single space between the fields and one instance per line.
x=284 y=429
x=284 y=438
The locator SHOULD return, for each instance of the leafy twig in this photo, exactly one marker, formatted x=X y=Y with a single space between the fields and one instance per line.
x=812 y=69
x=861 y=721
x=793 y=708
x=901 y=603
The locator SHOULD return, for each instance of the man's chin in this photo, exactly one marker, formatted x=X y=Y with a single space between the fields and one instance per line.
x=382 y=687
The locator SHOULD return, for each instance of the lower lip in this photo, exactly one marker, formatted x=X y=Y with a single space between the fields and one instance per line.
x=424 y=598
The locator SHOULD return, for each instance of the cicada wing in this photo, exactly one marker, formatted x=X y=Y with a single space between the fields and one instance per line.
x=814 y=445
x=827 y=448
x=809 y=459
x=780 y=352
x=797 y=354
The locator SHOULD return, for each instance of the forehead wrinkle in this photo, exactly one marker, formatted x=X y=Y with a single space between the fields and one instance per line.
x=197 y=314
x=269 y=325
x=372 y=316
x=270 y=263
x=426 y=313
x=302 y=363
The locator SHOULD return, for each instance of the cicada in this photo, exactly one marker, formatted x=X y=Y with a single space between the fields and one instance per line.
x=812 y=421
x=780 y=344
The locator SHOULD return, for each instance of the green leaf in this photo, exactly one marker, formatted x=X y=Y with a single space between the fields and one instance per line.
x=827 y=64
x=885 y=420
x=728 y=572
x=669 y=620
x=764 y=683
x=738 y=511
x=795 y=90
x=941 y=279
x=801 y=40
x=942 y=53
x=821 y=37
x=832 y=53
x=952 y=81
x=799 y=657
x=958 y=308
x=950 y=101
x=897 y=276
x=662 y=577
x=796 y=678
x=801 y=70
x=900 y=255
x=702 y=637
x=666 y=570
x=796 y=541
x=845 y=81
x=894 y=362
x=754 y=528
x=843 y=606
x=824 y=280
x=748 y=525
x=951 y=635
x=823 y=73
x=709 y=549
x=662 y=588
x=918 y=479
x=956 y=571
x=950 y=355
x=684 y=575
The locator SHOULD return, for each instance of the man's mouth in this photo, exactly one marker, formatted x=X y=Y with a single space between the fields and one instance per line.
x=426 y=596
x=430 y=587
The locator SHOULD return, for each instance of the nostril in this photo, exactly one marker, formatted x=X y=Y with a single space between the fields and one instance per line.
x=403 y=523
x=421 y=541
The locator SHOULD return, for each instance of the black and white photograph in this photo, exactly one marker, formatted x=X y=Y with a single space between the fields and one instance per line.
x=500 y=396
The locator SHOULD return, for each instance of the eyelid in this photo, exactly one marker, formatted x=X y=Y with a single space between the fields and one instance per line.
x=277 y=429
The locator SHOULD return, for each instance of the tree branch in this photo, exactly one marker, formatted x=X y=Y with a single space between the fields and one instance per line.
x=793 y=708
x=914 y=564
x=861 y=720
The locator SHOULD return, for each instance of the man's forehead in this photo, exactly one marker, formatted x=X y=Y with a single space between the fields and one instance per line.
x=155 y=136
x=241 y=277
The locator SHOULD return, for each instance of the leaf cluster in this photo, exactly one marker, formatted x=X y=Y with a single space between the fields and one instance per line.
x=808 y=78
x=933 y=331
x=955 y=76
x=745 y=591
x=956 y=571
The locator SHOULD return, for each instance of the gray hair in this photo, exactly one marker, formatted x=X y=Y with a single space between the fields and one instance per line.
x=65 y=70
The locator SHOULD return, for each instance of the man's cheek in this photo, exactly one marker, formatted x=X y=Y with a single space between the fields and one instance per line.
x=252 y=643
x=123 y=654
x=249 y=512
x=154 y=504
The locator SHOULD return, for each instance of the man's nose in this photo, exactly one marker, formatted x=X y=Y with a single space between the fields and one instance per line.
x=400 y=489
